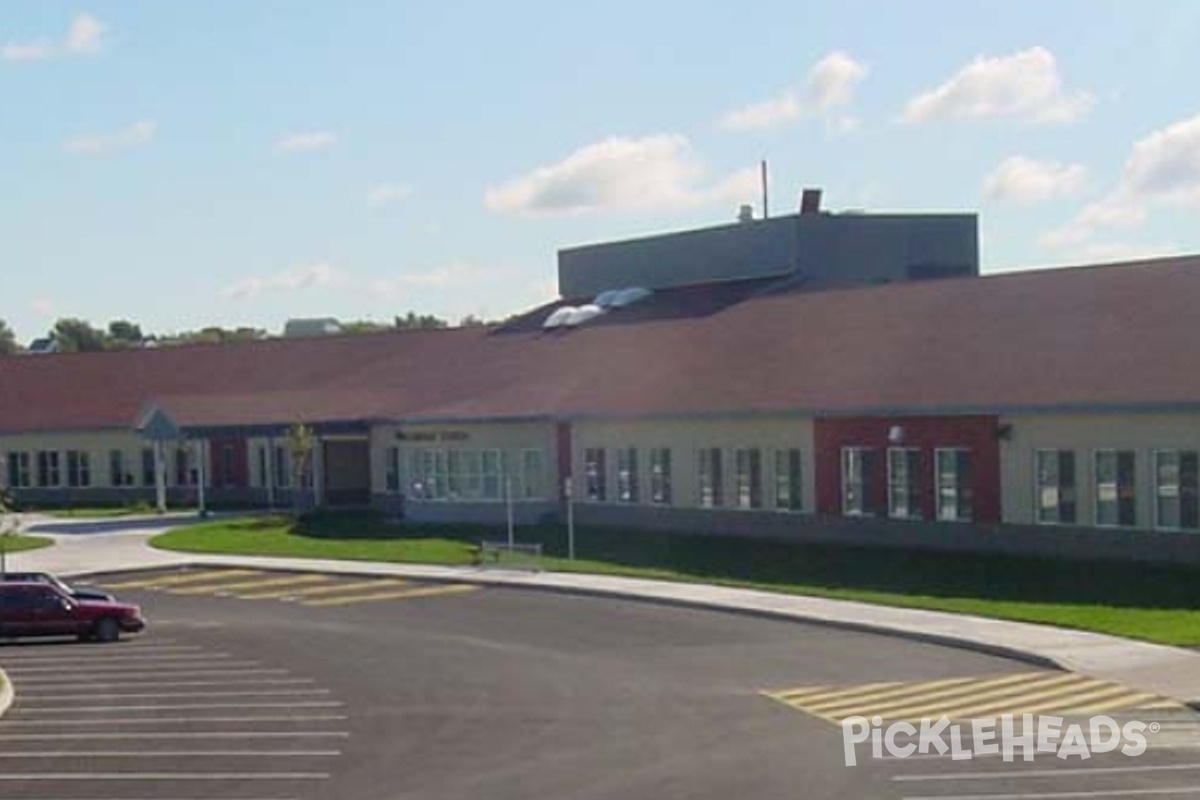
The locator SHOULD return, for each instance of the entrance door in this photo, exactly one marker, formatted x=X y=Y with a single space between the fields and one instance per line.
x=347 y=464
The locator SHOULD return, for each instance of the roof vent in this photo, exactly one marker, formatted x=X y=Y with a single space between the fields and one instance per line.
x=582 y=314
x=810 y=201
x=558 y=318
x=629 y=296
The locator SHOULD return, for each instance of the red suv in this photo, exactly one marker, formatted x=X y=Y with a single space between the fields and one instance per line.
x=41 y=609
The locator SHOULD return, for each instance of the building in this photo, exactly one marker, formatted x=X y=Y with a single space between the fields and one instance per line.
x=844 y=377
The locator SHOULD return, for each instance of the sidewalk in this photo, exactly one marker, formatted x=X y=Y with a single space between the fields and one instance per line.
x=1169 y=671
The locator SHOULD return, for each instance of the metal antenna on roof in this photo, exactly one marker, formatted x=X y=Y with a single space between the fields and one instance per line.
x=763 y=171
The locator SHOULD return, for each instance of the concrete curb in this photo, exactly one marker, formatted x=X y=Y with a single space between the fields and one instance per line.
x=7 y=693
x=1024 y=656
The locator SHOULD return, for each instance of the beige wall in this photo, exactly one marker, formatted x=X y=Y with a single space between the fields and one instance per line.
x=511 y=439
x=98 y=444
x=684 y=438
x=1085 y=433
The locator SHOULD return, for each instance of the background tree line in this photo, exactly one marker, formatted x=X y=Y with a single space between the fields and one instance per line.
x=73 y=335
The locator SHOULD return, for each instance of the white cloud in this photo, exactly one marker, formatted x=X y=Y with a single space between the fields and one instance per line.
x=305 y=142
x=654 y=173
x=443 y=277
x=1025 y=86
x=314 y=276
x=1163 y=169
x=138 y=133
x=830 y=83
x=1026 y=181
x=386 y=193
x=84 y=37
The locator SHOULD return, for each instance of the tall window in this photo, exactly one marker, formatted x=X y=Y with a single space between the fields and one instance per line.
x=1177 y=489
x=1056 y=498
x=148 y=466
x=595 y=475
x=282 y=472
x=393 y=469
x=627 y=475
x=427 y=473
x=533 y=476
x=79 y=469
x=48 y=471
x=710 y=477
x=184 y=467
x=1116 y=494
x=660 y=476
x=857 y=473
x=904 y=483
x=493 y=475
x=788 y=494
x=18 y=470
x=464 y=474
x=118 y=475
x=748 y=477
x=955 y=496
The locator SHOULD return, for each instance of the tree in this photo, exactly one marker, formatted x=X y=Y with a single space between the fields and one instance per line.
x=123 y=333
x=214 y=335
x=364 y=326
x=78 y=336
x=412 y=321
x=8 y=340
x=300 y=442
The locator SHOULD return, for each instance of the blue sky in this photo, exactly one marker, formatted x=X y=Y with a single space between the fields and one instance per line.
x=246 y=161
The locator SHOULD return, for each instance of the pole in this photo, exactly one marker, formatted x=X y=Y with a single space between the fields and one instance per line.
x=160 y=477
x=766 y=208
x=509 y=508
x=567 y=490
x=201 y=477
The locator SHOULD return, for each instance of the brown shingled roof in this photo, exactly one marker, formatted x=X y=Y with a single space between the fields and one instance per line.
x=1100 y=337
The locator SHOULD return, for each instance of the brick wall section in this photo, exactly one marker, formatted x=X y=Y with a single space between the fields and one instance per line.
x=976 y=433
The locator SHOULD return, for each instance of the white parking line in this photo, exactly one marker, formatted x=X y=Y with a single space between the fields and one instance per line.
x=34 y=684
x=188 y=674
x=10 y=657
x=55 y=698
x=1062 y=795
x=85 y=669
x=178 y=707
x=116 y=658
x=29 y=723
x=1066 y=772
x=89 y=736
x=164 y=776
x=75 y=754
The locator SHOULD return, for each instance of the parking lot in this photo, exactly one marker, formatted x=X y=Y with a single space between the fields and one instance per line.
x=253 y=685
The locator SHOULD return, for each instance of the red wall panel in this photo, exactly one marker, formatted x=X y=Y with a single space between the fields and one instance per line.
x=976 y=433
x=232 y=475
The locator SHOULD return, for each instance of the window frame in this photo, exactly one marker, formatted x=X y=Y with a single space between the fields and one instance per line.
x=960 y=488
x=751 y=490
x=595 y=475
x=1058 y=453
x=789 y=477
x=713 y=457
x=1117 y=452
x=1179 y=453
x=628 y=476
x=912 y=486
x=661 y=485
x=863 y=483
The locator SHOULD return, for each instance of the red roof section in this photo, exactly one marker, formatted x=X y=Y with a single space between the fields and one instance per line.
x=1098 y=337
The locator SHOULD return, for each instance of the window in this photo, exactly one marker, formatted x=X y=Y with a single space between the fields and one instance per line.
x=857 y=472
x=183 y=467
x=48 y=472
x=747 y=468
x=18 y=470
x=148 y=466
x=1177 y=489
x=283 y=467
x=228 y=466
x=1056 y=487
x=427 y=473
x=904 y=483
x=955 y=496
x=533 y=476
x=79 y=469
x=660 y=476
x=117 y=472
x=1116 y=495
x=710 y=478
x=493 y=475
x=464 y=475
x=393 y=469
x=788 y=495
x=627 y=475
x=595 y=475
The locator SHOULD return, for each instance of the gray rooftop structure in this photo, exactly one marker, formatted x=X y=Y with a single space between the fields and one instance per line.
x=817 y=249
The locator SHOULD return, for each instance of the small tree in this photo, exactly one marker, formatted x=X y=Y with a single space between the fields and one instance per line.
x=10 y=525
x=300 y=443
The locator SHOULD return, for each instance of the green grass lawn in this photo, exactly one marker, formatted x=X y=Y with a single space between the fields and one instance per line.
x=1155 y=603
x=15 y=544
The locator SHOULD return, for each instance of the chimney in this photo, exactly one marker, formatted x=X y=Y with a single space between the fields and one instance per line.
x=810 y=201
x=746 y=214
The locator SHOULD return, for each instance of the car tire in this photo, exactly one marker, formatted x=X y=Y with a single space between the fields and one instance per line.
x=107 y=630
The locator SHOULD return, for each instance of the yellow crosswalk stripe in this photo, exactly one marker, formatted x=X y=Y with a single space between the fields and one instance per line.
x=312 y=591
x=807 y=698
x=178 y=580
x=906 y=693
x=1056 y=704
x=1136 y=700
x=261 y=583
x=1023 y=703
x=455 y=588
x=922 y=703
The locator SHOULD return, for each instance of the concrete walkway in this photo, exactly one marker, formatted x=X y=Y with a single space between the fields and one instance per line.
x=82 y=548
